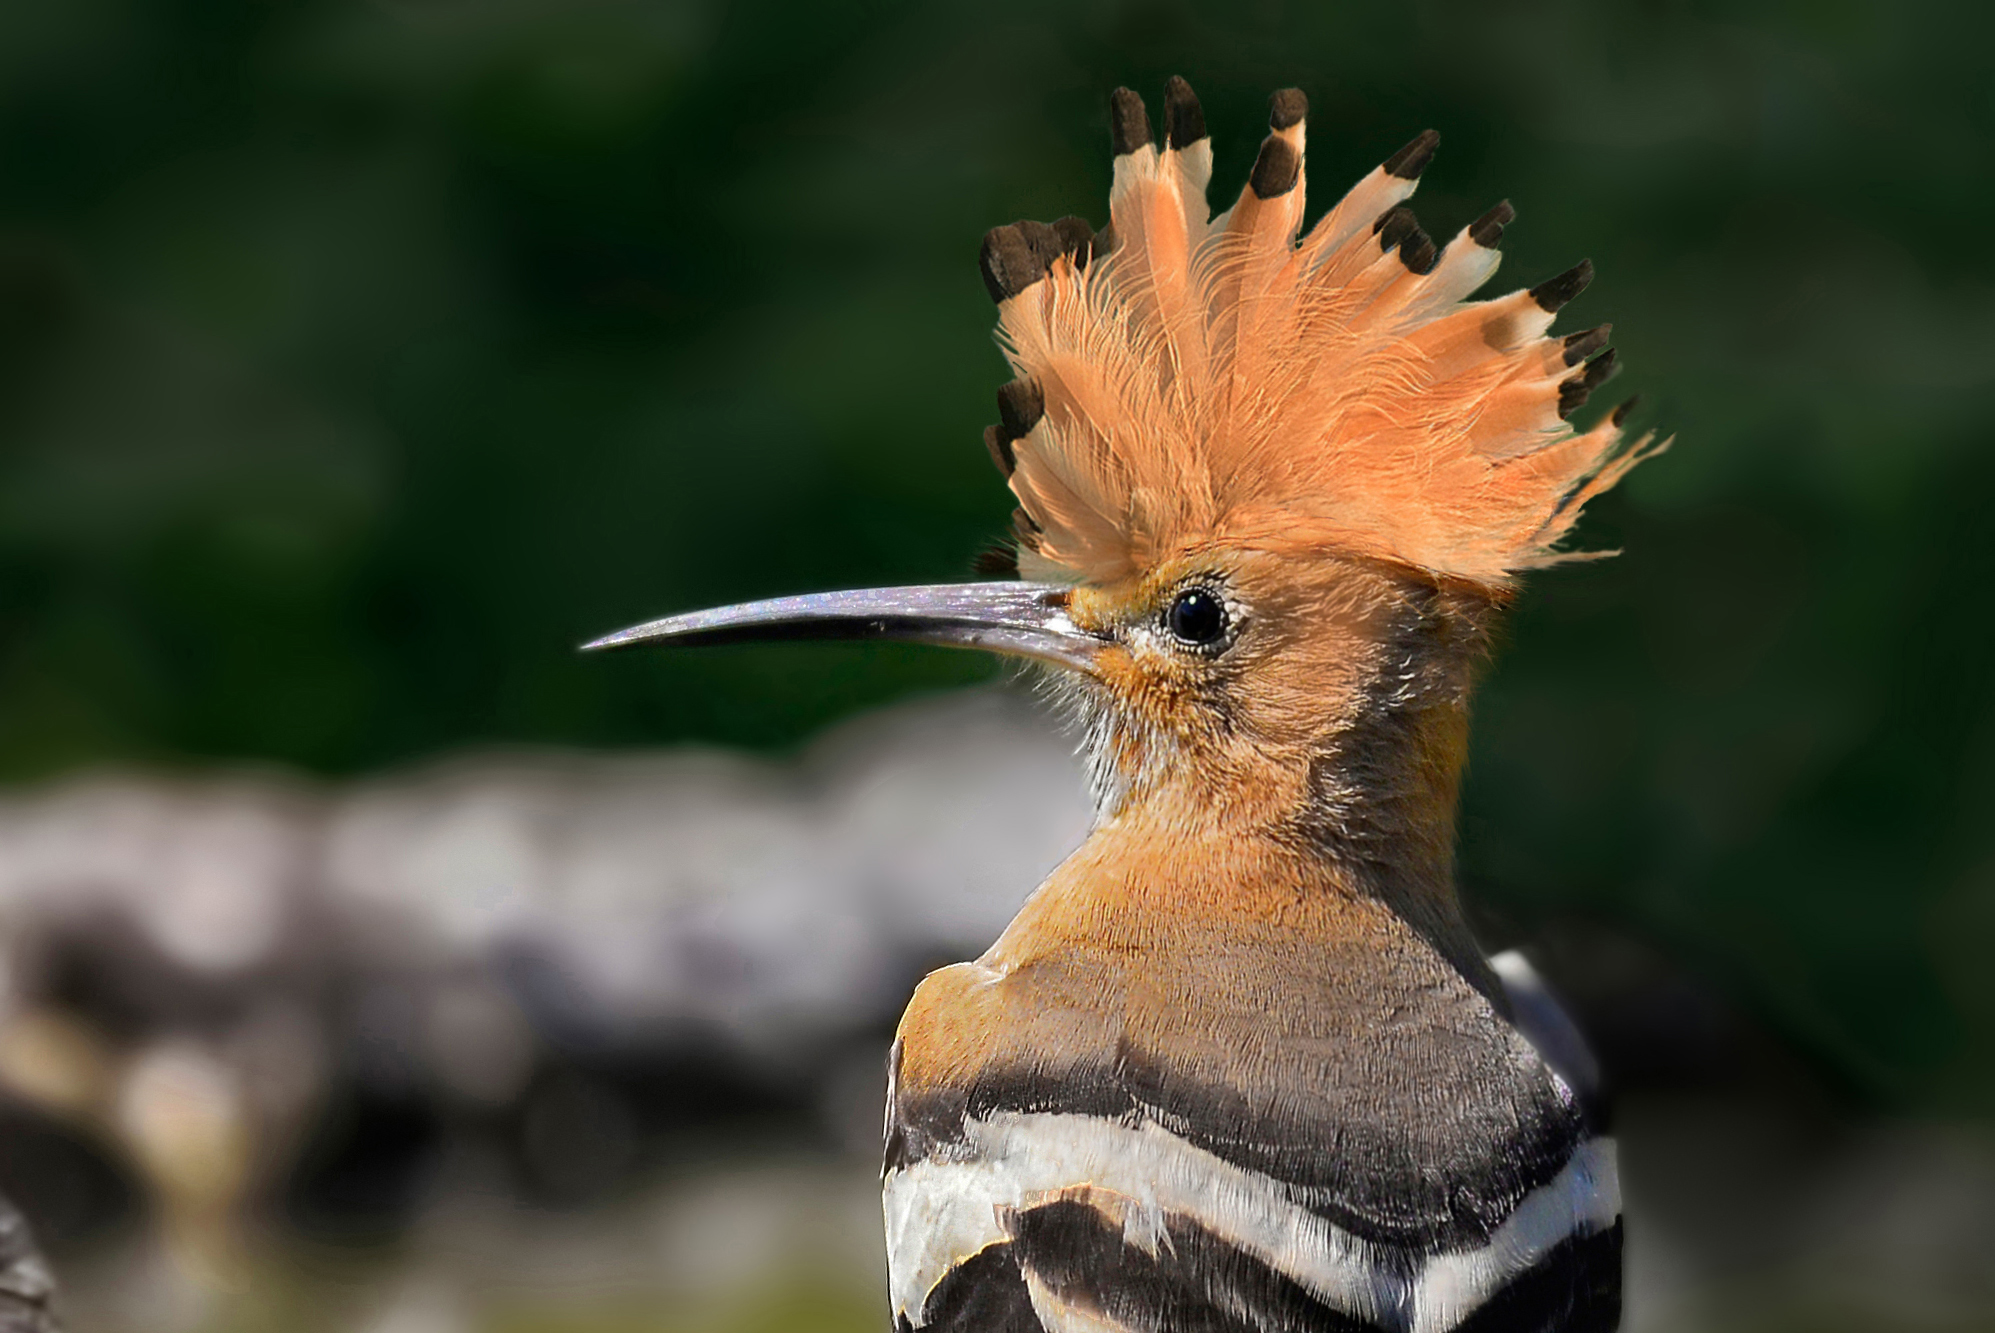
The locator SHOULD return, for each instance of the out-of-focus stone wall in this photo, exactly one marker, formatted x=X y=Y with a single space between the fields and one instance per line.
x=199 y=974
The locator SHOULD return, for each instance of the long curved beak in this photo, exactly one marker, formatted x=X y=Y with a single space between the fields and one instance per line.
x=1018 y=619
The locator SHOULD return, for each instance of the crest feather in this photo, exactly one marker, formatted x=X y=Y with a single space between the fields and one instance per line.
x=1201 y=382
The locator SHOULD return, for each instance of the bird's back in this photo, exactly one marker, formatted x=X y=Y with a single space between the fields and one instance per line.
x=1296 y=1115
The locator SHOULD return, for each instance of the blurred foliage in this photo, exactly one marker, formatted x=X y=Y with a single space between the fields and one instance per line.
x=359 y=359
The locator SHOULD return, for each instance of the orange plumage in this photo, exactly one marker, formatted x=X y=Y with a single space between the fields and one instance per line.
x=1216 y=383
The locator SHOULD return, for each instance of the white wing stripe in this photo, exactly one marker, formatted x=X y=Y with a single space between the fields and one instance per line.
x=940 y=1212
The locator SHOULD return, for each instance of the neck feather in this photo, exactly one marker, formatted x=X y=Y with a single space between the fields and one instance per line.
x=1384 y=786
x=1361 y=803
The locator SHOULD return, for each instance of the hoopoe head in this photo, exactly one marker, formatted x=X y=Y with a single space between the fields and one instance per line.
x=1271 y=483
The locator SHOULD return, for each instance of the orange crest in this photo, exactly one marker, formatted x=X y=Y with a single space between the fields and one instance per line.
x=1187 y=382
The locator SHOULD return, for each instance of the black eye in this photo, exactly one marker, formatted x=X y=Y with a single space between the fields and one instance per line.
x=1197 y=617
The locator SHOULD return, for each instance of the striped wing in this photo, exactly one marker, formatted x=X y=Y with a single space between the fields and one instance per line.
x=990 y=1242
x=1107 y=1200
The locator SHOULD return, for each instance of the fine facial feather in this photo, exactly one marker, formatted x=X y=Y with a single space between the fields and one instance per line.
x=1328 y=736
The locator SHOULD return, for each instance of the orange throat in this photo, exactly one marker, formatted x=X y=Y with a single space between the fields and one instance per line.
x=1314 y=808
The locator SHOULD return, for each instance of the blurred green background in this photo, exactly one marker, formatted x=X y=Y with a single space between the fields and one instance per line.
x=359 y=359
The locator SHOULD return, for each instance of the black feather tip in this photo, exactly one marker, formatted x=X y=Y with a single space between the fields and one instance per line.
x=1287 y=108
x=1277 y=169
x=1128 y=121
x=1419 y=253
x=1487 y=230
x=1014 y=257
x=1020 y=404
x=1554 y=293
x=1395 y=227
x=1586 y=342
x=1008 y=263
x=1076 y=239
x=1184 y=118
x=1398 y=228
x=1410 y=161
x=1574 y=392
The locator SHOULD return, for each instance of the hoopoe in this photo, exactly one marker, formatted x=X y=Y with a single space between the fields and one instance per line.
x=1238 y=1063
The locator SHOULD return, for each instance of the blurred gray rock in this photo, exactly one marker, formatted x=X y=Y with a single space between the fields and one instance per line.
x=612 y=898
x=773 y=903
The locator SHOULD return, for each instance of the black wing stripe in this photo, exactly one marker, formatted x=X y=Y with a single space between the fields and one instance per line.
x=986 y=1293
x=1361 y=1175
x=1192 y=1282
x=1574 y=1289
x=1082 y=1259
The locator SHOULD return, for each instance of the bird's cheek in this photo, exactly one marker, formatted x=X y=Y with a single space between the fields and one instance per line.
x=1121 y=675
x=1125 y=678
